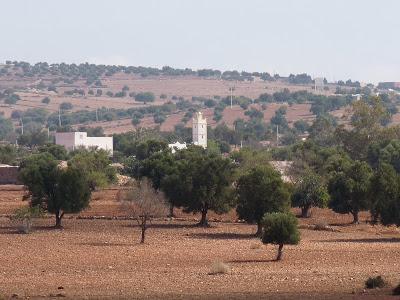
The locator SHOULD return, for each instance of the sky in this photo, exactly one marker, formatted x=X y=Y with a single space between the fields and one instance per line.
x=336 y=39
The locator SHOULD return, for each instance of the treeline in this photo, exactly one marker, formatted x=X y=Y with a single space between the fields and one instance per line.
x=92 y=73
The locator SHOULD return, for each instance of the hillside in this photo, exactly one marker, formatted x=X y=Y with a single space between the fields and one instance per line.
x=101 y=93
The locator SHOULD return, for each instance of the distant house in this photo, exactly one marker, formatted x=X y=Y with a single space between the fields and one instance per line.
x=177 y=146
x=75 y=140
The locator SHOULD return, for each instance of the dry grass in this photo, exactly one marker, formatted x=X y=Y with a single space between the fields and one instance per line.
x=219 y=267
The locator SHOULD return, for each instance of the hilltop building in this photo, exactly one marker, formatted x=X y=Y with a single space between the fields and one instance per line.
x=199 y=134
x=75 y=140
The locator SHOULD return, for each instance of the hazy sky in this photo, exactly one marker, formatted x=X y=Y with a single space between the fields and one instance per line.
x=338 y=39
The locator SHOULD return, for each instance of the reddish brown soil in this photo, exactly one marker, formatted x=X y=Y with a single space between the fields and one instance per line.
x=102 y=259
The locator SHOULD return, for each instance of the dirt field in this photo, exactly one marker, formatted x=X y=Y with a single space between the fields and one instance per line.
x=102 y=259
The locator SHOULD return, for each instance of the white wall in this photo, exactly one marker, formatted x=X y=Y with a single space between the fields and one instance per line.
x=74 y=140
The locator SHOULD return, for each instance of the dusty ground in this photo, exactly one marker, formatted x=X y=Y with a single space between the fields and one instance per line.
x=102 y=259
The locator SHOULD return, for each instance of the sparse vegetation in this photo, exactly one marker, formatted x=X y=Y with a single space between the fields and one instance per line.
x=140 y=201
x=375 y=282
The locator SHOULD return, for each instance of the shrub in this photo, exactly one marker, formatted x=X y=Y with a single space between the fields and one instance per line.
x=280 y=229
x=163 y=96
x=219 y=268
x=46 y=100
x=375 y=282
x=145 y=97
x=396 y=290
x=66 y=106
x=25 y=215
x=12 y=99
x=321 y=225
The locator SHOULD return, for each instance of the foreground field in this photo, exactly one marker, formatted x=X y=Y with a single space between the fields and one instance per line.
x=102 y=259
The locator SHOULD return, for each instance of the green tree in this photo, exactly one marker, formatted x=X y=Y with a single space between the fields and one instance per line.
x=367 y=128
x=349 y=189
x=280 y=229
x=58 y=152
x=145 y=97
x=259 y=191
x=6 y=127
x=384 y=194
x=66 y=106
x=60 y=191
x=8 y=154
x=205 y=180
x=96 y=166
x=310 y=191
x=46 y=100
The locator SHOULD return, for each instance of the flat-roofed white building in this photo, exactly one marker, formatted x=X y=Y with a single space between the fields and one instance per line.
x=75 y=140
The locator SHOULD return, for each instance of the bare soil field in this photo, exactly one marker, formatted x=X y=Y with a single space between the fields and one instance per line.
x=102 y=258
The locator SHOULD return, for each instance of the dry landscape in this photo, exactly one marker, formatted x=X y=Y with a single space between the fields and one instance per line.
x=101 y=258
x=180 y=86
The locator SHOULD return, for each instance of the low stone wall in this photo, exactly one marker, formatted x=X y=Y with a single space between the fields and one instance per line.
x=9 y=175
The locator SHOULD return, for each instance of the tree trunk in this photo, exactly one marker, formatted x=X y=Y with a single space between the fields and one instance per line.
x=171 y=211
x=355 y=217
x=59 y=216
x=280 y=252
x=204 y=221
x=305 y=211
x=259 y=229
x=143 y=225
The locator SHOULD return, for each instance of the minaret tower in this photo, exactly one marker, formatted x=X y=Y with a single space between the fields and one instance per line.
x=199 y=130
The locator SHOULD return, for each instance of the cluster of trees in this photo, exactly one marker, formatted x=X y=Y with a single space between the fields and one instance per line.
x=59 y=189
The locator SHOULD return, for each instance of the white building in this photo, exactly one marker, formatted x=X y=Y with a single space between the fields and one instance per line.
x=199 y=134
x=199 y=130
x=74 y=140
x=177 y=146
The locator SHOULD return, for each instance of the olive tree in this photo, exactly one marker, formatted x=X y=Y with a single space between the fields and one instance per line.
x=310 y=191
x=58 y=190
x=280 y=229
x=142 y=202
x=349 y=189
x=260 y=190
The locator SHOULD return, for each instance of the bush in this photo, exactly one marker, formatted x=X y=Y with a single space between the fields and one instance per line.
x=219 y=268
x=46 y=100
x=280 y=229
x=163 y=96
x=66 y=106
x=321 y=225
x=25 y=215
x=12 y=99
x=396 y=290
x=375 y=282
x=145 y=97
